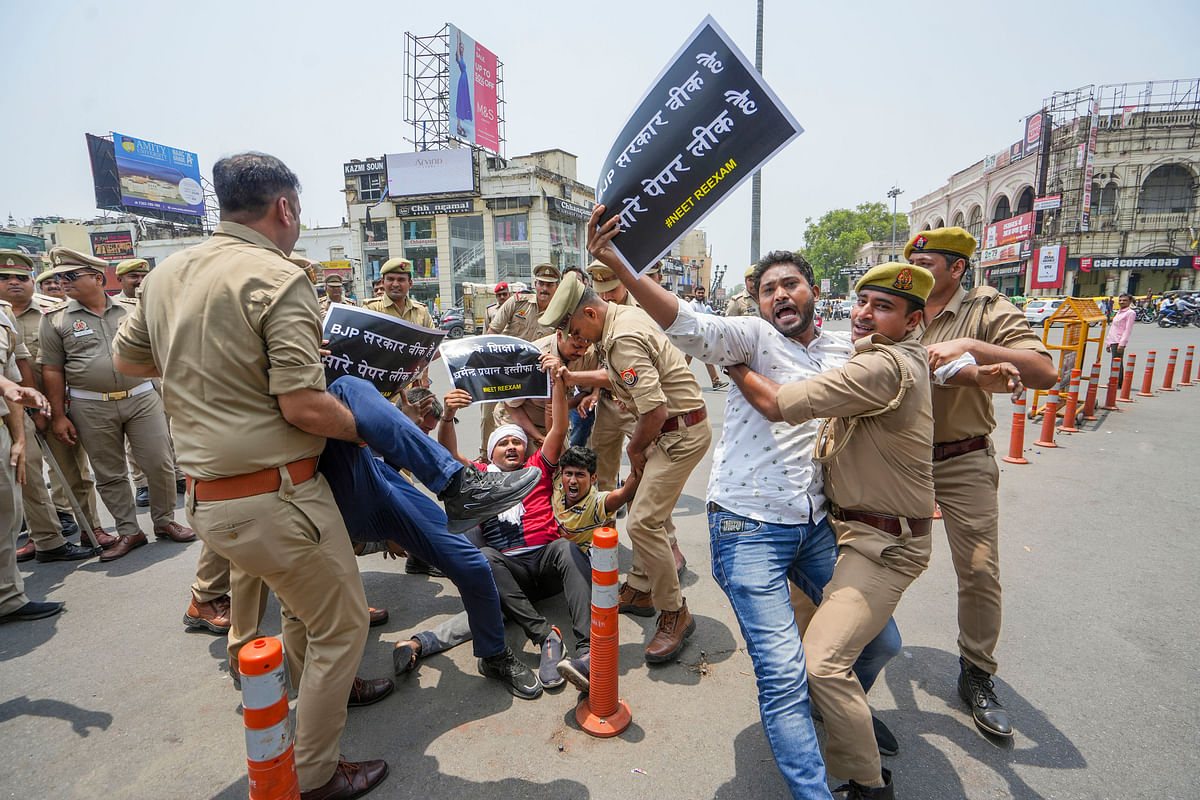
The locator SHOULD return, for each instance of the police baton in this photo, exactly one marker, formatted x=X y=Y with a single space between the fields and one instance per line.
x=80 y=517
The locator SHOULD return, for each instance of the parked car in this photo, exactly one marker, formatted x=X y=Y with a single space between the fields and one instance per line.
x=452 y=323
x=1037 y=311
x=843 y=309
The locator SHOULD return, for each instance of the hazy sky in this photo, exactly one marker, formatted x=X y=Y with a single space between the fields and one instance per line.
x=888 y=93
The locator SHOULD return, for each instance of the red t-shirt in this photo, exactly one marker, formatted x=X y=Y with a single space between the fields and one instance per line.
x=529 y=524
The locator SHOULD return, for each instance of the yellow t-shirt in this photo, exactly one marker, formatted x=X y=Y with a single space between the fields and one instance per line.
x=578 y=521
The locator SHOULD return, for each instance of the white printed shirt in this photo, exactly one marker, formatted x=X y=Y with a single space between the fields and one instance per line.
x=762 y=470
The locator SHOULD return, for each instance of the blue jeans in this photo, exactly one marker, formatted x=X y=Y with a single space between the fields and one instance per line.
x=752 y=561
x=376 y=502
x=581 y=428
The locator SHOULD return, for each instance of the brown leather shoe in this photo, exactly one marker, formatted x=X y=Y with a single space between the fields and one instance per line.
x=673 y=628
x=364 y=692
x=632 y=601
x=351 y=779
x=175 y=532
x=123 y=545
x=378 y=616
x=213 y=615
x=103 y=539
x=26 y=552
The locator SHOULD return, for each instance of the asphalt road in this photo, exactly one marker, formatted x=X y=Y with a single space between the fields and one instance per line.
x=114 y=699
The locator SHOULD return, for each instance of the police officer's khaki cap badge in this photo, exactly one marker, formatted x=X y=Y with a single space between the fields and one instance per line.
x=546 y=272
x=603 y=278
x=954 y=242
x=63 y=259
x=565 y=300
x=14 y=262
x=902 y=280
x=133 y=265
x=396 y=265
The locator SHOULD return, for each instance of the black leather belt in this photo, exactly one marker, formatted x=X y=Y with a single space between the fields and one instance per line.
x=951 y=449
x=884 y=522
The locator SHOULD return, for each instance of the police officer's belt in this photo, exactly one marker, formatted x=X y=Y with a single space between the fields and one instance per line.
x=883 y=522
x=252 y=483
x=951 y=449
x=84 y=394
x=687 y=420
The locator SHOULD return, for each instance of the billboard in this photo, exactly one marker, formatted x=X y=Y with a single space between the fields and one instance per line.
x=112 y=245
x=430 y=172
x=1007 y=231
x=157 y=177
x=473 y=109
x=1049 y=262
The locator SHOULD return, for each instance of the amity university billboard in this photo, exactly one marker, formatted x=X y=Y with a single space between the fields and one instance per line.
x=473 y=108
x=147 y=178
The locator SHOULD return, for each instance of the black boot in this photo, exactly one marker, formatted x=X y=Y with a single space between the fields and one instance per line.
x=69 y=528
x=977 y=691
x=859 y=792
x=473 y=495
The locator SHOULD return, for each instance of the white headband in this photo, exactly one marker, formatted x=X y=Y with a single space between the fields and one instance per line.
x=501 y=432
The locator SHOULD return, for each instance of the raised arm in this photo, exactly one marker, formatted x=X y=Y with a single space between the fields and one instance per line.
x=659 y=303
x=556 y=436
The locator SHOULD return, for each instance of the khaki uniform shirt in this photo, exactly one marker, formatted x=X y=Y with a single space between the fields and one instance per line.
x=80 y=341
x=519 y=317
x=10 y=341
x=886 y=464
x=962 y=412
x=230 y=324
x=325 y=302
x=536 y=407
x=413 y=312
x=489 y=314
x=741 y=305
x=644 y=368
x=29 y=323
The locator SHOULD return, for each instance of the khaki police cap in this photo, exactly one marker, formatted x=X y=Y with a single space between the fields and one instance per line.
x=44 y=275
x=333 y=280
x=63 y=260
x=546 y=272
x=750 y=271
x=603 y=278
x=133 y=265
x=396 y=265
x=654 y=268
x=14 y=262
x=903 y=280
x=954 y=242
x=565 y=300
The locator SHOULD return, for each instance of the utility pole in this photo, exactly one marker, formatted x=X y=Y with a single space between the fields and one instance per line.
x=893 y=193
x=756 y=181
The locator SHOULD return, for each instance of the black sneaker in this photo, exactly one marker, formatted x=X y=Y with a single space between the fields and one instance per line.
x=32 y=610
x=415 y=566
x=512 y=672
x=977 y=691
x=856 y=791
x=884 y=740
x=578 y=671
x=474 y=495
x=69 y=527
x=65 y=552
x=143 y=497
x=552 y=653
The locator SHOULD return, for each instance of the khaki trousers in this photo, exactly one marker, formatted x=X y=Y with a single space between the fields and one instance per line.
x=856 y=603
x=139 y=478
x=612 y=427
x=296 y=542
x=72 y=460
x=966 y=488
x=669 y=462
x=103 y=426
x=215 y=577
x=487 y=424
x=12 y=586
x=45 y=529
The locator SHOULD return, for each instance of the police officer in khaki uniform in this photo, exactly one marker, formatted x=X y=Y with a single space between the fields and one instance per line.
x=743 y=303
x=48 y=284
x=531 y=414
x=648 y=374
x=875 y=446
x=252 y=420
x=502 y=293
x=334 y=293
x=992 y=330
x=47 y=540
x=397 y=280
x=106 y=406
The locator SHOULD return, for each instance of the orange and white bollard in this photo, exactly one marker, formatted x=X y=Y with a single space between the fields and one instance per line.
x=1068 y=425
x=1148 y=381
x=270 y=759
x=1114 y=379
x=1187 y=367
x=1127 y=384
x=1016 y=442
x=1049 y=420
x=602 y=712
x=1169 y=378
x=1089 y=405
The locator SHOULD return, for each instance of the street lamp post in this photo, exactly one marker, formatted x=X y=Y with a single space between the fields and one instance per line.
x=893 y=193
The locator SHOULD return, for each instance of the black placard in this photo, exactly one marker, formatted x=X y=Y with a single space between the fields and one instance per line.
x=494 y=367
x=380 y=348
x=706 y=125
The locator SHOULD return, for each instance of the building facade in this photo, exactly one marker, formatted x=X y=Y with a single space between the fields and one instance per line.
x=1106 y=182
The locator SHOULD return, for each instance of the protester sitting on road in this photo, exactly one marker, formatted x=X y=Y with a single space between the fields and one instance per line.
x=530 y=558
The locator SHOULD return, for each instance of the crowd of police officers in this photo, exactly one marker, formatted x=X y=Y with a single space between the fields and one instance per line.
x=101 y=430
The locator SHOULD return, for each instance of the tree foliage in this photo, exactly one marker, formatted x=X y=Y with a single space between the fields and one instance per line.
x=832 y=241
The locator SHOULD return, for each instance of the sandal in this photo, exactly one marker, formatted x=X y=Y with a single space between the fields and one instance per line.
x=404 y=658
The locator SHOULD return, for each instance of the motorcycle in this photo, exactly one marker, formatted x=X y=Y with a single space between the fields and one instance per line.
x=1175 y=319
x=1145 y=314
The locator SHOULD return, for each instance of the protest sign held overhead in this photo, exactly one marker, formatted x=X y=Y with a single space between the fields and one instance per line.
x=496 y=367
x=707 y=124
x=384 y=350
